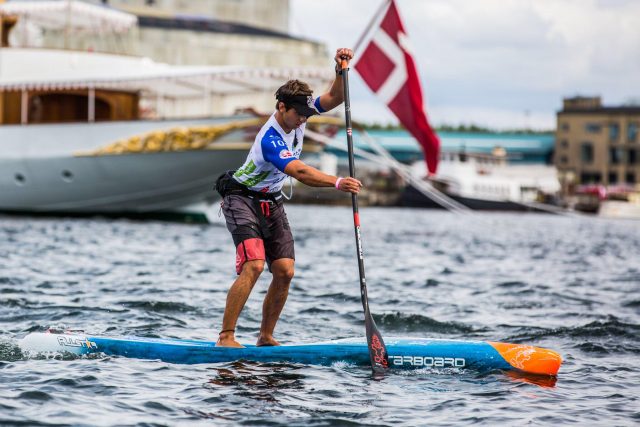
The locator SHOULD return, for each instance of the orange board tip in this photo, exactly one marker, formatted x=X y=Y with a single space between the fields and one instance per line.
x=534 y=360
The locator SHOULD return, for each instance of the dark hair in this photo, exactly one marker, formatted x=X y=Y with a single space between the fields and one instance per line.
x=291 y=88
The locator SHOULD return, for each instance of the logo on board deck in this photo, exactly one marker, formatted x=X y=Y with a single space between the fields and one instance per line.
x=428 y=361
x=286 y=154
x=76 y=342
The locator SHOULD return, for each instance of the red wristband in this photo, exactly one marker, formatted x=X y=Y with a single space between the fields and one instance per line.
x=338 y=182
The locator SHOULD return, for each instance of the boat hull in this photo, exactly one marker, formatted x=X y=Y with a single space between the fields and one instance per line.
x=60 y=168
x=413 y=198
x=108 y=184
x=404 y=353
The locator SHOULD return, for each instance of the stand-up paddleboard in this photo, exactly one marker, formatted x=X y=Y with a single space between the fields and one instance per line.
x=403 y=352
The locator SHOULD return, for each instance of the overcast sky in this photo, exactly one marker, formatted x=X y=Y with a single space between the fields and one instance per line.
x=497 y=63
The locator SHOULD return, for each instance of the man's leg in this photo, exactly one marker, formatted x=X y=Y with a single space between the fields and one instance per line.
x=282 y=270
x=236 y=299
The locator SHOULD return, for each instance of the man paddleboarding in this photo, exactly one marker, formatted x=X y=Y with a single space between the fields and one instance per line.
x=253 y=204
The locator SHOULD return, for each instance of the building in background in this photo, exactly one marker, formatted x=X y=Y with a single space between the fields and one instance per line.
x=596 y=154
x=596 y=144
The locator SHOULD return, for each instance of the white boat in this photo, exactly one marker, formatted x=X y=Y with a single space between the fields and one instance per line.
x=488 y=182
x=97 y=133
x=68 y=168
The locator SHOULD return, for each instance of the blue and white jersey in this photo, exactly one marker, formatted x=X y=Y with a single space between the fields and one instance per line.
x=271 y=152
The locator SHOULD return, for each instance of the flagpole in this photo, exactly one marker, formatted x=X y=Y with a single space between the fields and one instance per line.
x=374 y=21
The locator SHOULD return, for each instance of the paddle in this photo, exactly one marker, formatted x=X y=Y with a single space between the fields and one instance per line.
x=377 y=349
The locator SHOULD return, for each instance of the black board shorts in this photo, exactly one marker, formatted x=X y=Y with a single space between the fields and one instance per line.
x=251 y=240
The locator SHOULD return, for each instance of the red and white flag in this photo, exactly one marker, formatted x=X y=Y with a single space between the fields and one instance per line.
x=387 y=67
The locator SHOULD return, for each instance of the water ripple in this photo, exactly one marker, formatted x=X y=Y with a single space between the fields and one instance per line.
x=570 y=284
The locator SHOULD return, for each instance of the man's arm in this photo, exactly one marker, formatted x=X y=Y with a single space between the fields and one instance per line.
x=335 y=96
x=314 y=178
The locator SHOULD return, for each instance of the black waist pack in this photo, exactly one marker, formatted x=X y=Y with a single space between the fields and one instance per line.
x=225 y=184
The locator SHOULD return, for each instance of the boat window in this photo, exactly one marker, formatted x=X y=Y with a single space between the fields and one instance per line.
x=67 y=176
x=52 y=106
x=10 y=108
x=65 y=107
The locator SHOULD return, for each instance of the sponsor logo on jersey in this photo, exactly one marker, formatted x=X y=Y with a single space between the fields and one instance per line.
x=286 y=154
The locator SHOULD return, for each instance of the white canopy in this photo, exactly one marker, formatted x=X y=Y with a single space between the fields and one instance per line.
x=29 y=69
x=70 y=14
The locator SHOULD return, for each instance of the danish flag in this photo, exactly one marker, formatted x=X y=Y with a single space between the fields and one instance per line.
x=388 y=68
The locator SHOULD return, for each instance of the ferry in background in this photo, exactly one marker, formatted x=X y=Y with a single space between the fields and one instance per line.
x=483 y=171
x=98 y=133
x=488 y=182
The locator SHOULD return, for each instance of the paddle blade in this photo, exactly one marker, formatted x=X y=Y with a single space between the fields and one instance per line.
x=377 y=349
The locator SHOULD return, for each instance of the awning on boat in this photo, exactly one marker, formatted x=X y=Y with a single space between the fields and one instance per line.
x=49 y=69
x=70 y=14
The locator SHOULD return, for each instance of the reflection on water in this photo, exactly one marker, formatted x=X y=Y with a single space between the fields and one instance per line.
x=255 y=380
x=540 y=380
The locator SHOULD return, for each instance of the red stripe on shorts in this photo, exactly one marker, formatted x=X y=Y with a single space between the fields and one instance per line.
x=249 y=250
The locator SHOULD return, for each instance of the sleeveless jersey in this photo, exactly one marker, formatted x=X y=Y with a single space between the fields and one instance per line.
x=271 y=152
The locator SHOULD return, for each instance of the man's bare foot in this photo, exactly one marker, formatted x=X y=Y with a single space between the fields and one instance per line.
x=265 y=341
x=227 y=339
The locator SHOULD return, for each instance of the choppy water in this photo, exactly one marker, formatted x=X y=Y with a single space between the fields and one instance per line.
x=570 y=284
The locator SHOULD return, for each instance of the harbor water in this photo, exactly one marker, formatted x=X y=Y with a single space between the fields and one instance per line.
x=571 y=284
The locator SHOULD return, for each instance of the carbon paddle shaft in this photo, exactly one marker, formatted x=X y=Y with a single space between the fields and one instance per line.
x=377 y=349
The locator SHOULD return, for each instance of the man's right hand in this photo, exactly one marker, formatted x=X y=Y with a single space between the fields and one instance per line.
x=350 y=185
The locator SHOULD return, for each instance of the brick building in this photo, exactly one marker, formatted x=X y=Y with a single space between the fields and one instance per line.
x=596 y=144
